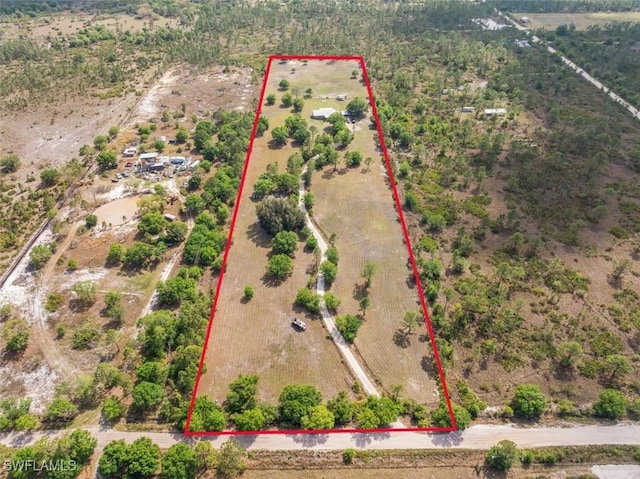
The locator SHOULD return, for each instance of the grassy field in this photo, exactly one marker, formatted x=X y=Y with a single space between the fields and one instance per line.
x=358 y=207
x=256 y=337
x=551 y=21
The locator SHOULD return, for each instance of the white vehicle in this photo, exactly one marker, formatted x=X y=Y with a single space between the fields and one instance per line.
x=301 y=325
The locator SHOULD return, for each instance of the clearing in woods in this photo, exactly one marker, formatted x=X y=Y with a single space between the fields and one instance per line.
x=551 y=21
x=360 y=207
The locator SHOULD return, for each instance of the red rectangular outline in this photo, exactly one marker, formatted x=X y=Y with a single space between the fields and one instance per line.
x=405 y=232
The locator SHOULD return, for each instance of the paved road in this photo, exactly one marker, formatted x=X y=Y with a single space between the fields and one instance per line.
x=618 y=99
x=476 y=437
x=338 y=339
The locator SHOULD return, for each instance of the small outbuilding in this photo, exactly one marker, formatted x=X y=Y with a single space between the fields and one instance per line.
x=495 y=111
x=322 y=113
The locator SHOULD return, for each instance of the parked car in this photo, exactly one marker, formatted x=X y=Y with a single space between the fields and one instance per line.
x=128 y=164
x=301 y=325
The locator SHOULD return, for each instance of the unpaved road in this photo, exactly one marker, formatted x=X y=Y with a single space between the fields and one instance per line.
x=617 y=98
x=480 y=437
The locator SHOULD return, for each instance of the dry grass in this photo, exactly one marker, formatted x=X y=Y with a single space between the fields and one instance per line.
x=551 y=21
x=357 y=205
x=359 y=208
x=256 y=337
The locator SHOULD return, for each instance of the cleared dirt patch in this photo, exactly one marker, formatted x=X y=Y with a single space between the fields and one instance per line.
x=551 y=21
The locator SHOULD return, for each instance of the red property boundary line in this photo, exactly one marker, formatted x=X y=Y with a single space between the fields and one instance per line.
x=405 y=232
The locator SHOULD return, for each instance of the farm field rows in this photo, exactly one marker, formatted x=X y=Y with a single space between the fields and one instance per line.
x=355 y=207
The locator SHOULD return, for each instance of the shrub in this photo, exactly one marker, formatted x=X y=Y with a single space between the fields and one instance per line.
x=85 y=337
x=348 y=455
x=90 y=221
x=529 y=402
x=311 y=243
x=39 y=256
x=248 y=292
x=54 y=301
x=16 y=335
x=611 y=404
x=502 y=456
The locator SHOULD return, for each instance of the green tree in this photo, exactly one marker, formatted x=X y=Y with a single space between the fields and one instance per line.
x=280 y=135
x=152 y=223
x=242 y=394
x=611 y=404
x=90 y=221
x=280 y=266
x=331 y=301
x=147 y=395
x=318 y=417
x=107 y=160
x=332 y=255
x=81 y=446
x=503 y=455
x=113 y=306
x=529 y=402
x=368 y=270
x=348 y=326
x=113 y=131
x=100 y=142
x=357 y=107
x=285 y=242
x=194 y=204
x=263 y=125
x=250 y=420
x=284 y=84
x=9 y=164
x=271 y=99
x=231 y=461
x=569 y=353
x=298 y=105
x=114 y=460
x=39 y=256
x=143 y=458
x=153 y=372
x=175 y=290
x=138 y=255
x=182 y=135
x=616 y=367
x=296 y=400
x=307 y=299
x=308 y=200
x=275 y=214
x=410 y=321
x=341 y=408
x=287 y=100
x=176 y=232
x=50 y=177
x=329 y=271
x=207 y=415
x=179 y=462
x=113 y=409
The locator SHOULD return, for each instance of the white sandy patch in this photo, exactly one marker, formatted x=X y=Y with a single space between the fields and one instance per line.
x=39 y=383
x=93 y=274
x=618 y=471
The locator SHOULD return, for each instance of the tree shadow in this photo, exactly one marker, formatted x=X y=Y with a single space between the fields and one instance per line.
x=258 y=236
x=272 y=145
x=401 y=339
x=364 y=439
x=411 y=281
x=359 y=291
x=271 y=281
x=423 y=338
x=447 y=439
x=328 y=174
x=310 y=439
x=428 y=365
x=76 y=305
